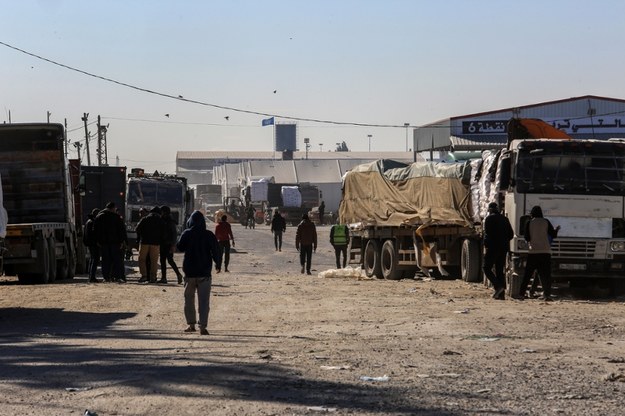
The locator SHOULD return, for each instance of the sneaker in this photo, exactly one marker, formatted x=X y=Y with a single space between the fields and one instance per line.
x=179 y=279
x=190 y=328
x=163 y=281
x=546 y=298
x=279 y=249
x=143 y=280
x=93 y=280
x=203 y=331
x=308 y=272
x=227 y=271
x=500 y=294
x=302 y=269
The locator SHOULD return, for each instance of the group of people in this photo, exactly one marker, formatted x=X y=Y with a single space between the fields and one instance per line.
x=539 y=234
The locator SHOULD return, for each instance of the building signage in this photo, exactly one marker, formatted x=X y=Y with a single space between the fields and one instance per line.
x=586 y=125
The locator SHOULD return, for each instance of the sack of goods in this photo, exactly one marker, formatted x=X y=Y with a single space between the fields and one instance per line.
x=259 y=191
x=291 y=197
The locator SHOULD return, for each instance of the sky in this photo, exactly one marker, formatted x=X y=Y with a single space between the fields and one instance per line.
x=358 y=64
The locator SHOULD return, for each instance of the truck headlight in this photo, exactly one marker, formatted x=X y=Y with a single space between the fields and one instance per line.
x=522 y=245
x=617 y=245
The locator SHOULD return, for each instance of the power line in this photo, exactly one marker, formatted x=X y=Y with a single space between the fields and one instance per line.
x=181 y=98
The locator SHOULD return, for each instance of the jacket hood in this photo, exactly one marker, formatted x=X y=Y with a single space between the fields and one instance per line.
x=197 y=220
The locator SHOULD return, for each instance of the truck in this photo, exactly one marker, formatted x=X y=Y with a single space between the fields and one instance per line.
x=99 y=185
x=292 y=200
x=42 y=235
x=580 y=186
x=157 y=189
x=405 y=218
x=209 y=197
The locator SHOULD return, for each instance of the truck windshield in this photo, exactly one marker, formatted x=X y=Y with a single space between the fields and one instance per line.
x=578 y=168
x=155 y=193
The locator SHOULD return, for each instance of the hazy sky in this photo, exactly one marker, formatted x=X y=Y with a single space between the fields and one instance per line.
x=386 y=62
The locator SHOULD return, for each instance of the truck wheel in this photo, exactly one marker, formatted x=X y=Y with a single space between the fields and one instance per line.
x=470 y=261
x=67 y=267
x=52 y=258
x=388 y=261
x=44 y=262
x=372 y=259
x=513 y=280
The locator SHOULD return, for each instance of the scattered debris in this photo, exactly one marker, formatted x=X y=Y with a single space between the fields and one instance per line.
x=335 y=367
x=528 y=350
x=367 y=378
x=77 y=388
x=90 y=413
x=465 y=310
x=617 y=360
x=449 y=352
x=323 y=409
x=483 y=391
x=615 y=377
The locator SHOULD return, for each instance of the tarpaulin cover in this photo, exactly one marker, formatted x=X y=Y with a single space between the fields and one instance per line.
x=391 y=193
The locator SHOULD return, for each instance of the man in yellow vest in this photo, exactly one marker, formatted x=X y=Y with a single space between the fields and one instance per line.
x=339 y=238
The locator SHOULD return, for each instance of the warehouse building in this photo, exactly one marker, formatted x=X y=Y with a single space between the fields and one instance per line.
x=586 y=117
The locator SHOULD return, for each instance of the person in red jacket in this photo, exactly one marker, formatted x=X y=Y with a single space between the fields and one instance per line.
x=223 y=232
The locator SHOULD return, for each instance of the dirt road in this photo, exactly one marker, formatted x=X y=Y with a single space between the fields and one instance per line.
x=283 y=343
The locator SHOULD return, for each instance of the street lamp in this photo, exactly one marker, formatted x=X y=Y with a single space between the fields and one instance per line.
x=307 y=145
x=406 y=125
x=321 y=147
x=369 y=136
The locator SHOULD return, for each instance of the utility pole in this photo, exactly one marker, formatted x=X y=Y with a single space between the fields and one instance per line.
x=406 y=125
x=78 y=145
x=369 y=136
x=84 y=118
x=66 y=140
x=102 y=153
x=48 y=114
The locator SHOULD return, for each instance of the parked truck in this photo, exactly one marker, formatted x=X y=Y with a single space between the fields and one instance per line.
x=147 y=191
x=41 y=235
x=580 y=186
x=100 y=185
x=292 y=200
x=209 y=197
x=407 y=218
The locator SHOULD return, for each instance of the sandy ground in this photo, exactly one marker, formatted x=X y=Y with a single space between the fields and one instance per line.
x=283 y=343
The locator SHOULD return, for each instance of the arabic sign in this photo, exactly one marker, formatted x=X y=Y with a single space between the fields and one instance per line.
x=586 y=125
x=485 y=127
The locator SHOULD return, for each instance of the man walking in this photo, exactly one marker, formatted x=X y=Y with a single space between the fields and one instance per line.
x=223 y=233
x=322 y=212
x=170 y=235
x=306 y=242
x=150 y=233
x=278 y=226
x=497 y=235
x=339 y=238
x=111 y=238
x=539 y=233
x=200 y=249
x=90 y=241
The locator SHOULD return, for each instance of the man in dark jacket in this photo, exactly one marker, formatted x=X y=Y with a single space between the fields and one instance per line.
x=497 y=235
x=306 y=242
x=278 y=226
x=111 y=238
x=170 y=235
x=150 y=232
x=90 y=241
x=200 y=249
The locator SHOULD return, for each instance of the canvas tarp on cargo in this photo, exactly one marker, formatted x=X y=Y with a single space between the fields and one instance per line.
x=390 y=193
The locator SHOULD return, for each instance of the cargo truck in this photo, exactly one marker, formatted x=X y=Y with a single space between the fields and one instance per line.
x=408 y=218
x=41 y=235
x=157 y=189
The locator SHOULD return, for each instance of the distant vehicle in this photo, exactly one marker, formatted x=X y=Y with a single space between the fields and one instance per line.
x=209 y=197
x=147 y=191
x=42 y=235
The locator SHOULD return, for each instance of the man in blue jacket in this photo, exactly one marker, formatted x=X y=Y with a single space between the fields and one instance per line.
x=200 y=249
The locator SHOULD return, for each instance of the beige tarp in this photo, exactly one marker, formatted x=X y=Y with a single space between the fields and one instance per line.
x=390 y=193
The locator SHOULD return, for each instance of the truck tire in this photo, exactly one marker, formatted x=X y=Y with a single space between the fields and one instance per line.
x=513 y=279
x=44 y=262
x=371 y=261
x=470 y=261
x=67 y=267
x=388 y=261
x=52 y=257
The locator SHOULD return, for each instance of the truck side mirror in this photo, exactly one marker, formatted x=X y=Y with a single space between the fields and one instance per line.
x=505 y=163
